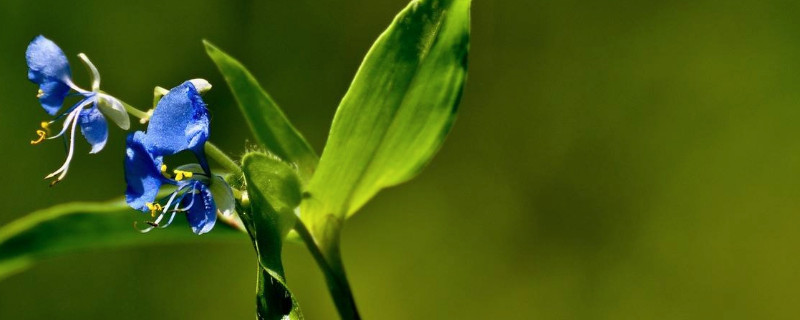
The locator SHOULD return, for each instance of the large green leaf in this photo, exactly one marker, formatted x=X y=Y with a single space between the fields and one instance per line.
x=85 y=226
x=274 y=191
x=397 y=111
x=270 y=126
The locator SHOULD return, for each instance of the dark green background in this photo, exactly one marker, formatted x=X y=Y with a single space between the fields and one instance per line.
x=611 y=160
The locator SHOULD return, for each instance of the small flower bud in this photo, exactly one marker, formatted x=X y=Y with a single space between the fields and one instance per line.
x=201 y=85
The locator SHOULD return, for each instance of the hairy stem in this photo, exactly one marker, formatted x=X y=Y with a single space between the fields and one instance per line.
x=213 y=152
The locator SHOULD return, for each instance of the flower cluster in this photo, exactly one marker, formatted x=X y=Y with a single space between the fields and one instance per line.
x=179 y=122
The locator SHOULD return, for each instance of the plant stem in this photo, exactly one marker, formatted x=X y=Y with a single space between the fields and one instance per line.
x=213 y=152
x=333 y=269
x=133 y=111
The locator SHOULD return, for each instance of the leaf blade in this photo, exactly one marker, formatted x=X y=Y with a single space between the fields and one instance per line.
x=268 y=123
x=398 y=110
x=75 y=227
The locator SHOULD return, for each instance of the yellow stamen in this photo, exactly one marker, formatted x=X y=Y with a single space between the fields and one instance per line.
x=42 y=134
x=40 y=93
x=154 y=208
x=164 y=171
x=46 y=126
x=180 y=174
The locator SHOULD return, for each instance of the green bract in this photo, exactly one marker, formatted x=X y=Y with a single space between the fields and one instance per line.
x=274 y=191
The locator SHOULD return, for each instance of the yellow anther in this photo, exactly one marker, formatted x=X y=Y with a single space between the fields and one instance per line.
x=154 y=208
x=164 y=171
x=180 y=174
x=46 y=126
x=40 y=93
x=42 y=134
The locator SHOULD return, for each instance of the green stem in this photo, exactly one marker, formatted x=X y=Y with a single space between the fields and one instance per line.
x=333 y=269
x=133 y=111
x=213 y=152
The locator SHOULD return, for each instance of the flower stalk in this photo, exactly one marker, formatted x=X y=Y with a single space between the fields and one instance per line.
x=329 y=259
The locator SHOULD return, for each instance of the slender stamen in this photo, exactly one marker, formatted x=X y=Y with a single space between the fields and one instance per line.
x=174 y=202
x=93 y=70
x=189 y=206
x=46 y=126
x=39 y=94
x=171 y=217
x=181 y=174
x=70 y=118
x=166 y=206
x=65 y=167
x=146 y=229
x=172 y=213
x=42 y=134
x=164 y=172
x=68 y=111
x=153 y=207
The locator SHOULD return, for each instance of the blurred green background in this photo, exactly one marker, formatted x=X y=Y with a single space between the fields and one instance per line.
x=611 y=160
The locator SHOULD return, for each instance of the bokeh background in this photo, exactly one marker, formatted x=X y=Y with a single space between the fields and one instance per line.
x=611 y=160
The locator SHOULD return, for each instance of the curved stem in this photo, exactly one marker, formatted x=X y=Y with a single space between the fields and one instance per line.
x=133 y=111
x=213 y=152
x=333 y=269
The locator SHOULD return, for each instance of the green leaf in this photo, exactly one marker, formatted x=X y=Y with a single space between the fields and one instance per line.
x=274 y=192
x=76 y=227
x=268 y=123
x=397 y=111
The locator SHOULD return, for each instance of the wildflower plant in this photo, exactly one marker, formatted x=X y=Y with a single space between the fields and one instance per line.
x=389 y=124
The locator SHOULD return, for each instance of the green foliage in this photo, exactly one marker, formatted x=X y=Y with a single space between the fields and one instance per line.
x=397 y=111
x=76 y=227
x=395 y=116
x=274 y=191
x=266 y=120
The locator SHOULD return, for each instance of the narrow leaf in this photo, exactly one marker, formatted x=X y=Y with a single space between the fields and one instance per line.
x=274 y=192
x=398 y=110
x=77 y=227
x=268 y=123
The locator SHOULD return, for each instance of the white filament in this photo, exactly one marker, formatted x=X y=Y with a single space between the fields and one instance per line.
x=65 y=167
x=73 y=114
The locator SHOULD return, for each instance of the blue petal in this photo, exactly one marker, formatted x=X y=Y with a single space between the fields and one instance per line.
x=179 y=122
x=142 y=173
x=48 y=67
x=94 y=128
x=202 y=214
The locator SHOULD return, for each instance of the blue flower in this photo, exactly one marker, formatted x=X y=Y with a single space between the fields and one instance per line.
x=179 y=123
x=48 y=67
